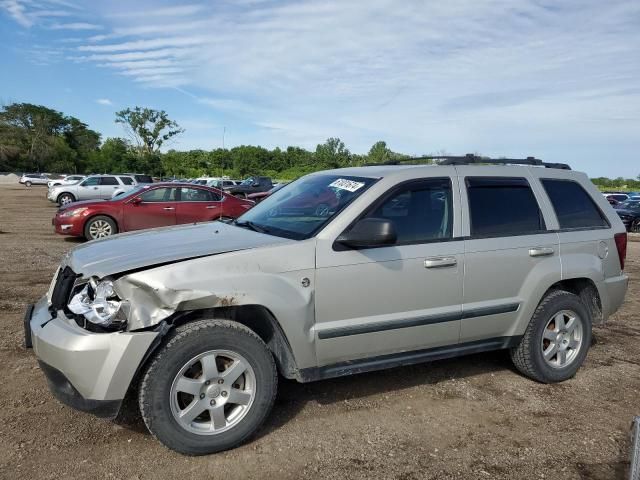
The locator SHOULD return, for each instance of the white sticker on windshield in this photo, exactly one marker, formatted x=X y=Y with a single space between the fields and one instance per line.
x=348 y=185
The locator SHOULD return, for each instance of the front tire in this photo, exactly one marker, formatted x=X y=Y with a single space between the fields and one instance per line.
x=100 y=226
x=65 y=199
x=557 y=339
x=27 y=184
x=209 y=388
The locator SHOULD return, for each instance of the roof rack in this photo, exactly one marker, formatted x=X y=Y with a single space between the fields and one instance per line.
x=470 y=159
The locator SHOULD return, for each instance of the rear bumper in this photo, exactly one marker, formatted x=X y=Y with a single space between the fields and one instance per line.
x=85 y=370
x=612 y=296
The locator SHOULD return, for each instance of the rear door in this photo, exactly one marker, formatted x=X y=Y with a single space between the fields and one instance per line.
x=156 y=208
x=108 y=185
x=197 y=205
x=509 y=251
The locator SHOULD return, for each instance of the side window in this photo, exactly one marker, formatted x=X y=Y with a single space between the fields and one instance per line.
x=126 y=180
x=574 y=207
x=91 y=182
x=159 y=195
x=502 y=206
x=421 y=211
x=197 y=195
x=109 y=181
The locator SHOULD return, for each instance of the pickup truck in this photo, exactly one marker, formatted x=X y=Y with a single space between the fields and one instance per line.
x=250 y=185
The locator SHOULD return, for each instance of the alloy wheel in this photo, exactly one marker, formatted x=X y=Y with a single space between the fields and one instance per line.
x=212 y=392
x=562 y=339
x=100 y=229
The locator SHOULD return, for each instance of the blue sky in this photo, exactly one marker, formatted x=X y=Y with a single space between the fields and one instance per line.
x=559 y=80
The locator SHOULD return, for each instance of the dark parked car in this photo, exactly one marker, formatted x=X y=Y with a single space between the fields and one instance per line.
x=629 y=213
x=258 y=197
x=616 y=197
x=140 y=178
x=148 y=206
x=251 y=185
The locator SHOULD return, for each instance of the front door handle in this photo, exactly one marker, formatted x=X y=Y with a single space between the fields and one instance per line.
x=439 y=262
x=169 y=208
x=541 y=251
x=209 y=207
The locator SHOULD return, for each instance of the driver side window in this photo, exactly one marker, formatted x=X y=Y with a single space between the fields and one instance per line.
x=421 y=211
x=89 y=182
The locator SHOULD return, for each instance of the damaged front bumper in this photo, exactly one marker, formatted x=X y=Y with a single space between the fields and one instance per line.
x=85 y=370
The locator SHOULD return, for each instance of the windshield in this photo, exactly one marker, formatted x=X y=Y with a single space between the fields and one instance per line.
x=130 y=193
x=303 y=207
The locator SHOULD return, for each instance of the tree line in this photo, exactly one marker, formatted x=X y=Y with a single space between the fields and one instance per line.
x=34 y=138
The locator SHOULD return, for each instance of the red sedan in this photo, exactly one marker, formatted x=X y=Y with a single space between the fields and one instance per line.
x=148 y=206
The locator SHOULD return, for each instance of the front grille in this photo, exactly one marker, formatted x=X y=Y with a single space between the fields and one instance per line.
x=62 y=289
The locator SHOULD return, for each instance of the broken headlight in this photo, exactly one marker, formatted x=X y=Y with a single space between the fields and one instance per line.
x=98 y=303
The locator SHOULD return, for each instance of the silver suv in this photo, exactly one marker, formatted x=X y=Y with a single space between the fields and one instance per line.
x=402 y=264
x=94 y=187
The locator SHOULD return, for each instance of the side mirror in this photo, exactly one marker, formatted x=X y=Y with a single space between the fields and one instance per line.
x=369 y=232
x=136 y=201
x=255 y=184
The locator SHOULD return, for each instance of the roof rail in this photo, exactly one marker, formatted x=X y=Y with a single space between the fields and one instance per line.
x=470 y=159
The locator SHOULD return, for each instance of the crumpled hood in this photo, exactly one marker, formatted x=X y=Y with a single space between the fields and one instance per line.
x=147 y=248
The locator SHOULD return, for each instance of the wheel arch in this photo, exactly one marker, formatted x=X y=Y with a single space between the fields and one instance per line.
x=587 y=290
x=258 y=318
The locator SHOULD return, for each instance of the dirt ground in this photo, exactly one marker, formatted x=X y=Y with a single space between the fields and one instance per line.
x=472 y=417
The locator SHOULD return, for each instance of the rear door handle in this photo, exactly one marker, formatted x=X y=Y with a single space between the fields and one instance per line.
x=541 y=251
x=169 y=208
x=439 y=262
x=209 y=207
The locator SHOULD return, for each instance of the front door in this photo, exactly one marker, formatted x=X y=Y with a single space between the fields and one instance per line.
x=399 y=298
x=153 y=208
x=88 y=189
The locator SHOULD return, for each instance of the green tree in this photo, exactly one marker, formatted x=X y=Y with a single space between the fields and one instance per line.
x=379 y=152
x=332 y=154
x=148 y=128
x=32 y=129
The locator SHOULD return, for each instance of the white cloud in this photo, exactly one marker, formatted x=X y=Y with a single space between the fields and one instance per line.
x=497 y=76
x=104 y=101
x=17 y=10
x=75 y=26
x=175 y=11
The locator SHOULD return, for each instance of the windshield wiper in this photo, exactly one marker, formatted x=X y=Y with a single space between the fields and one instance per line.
x=251 y=225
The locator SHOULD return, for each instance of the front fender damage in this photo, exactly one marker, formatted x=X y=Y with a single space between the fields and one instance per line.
x=149 y=301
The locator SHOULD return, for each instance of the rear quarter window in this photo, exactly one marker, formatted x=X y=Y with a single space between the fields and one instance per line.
x=574 y=207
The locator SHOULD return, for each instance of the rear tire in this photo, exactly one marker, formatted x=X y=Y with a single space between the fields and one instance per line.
x=557 y=339
x=100 y=226
x=196 y=407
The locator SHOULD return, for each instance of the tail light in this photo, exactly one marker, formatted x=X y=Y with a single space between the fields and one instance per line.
x=621 y=245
